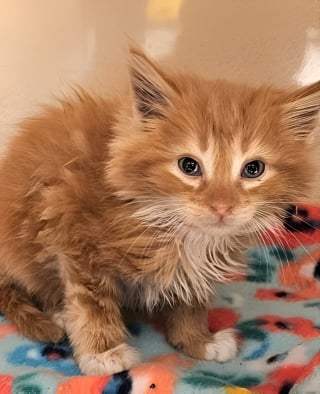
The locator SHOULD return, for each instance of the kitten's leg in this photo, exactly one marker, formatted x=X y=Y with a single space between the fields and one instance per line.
x=30 y=321
x=97 y=332
x=187 y=330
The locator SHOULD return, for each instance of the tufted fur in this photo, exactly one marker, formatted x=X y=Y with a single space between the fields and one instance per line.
x=96 y=216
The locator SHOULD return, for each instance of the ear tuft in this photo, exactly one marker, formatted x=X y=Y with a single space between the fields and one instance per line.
x=151 y=88
x=302 y=109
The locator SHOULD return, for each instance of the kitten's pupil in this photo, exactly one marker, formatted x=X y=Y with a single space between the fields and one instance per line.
x=253 y=169
x=189 y=166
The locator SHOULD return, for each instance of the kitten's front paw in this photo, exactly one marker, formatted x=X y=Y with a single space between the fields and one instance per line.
x=112 y=361
x=223 y=346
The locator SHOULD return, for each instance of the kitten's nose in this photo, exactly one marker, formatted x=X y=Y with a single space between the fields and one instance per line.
x=221 y=209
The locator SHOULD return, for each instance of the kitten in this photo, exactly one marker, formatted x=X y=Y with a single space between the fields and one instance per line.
x=144 y=202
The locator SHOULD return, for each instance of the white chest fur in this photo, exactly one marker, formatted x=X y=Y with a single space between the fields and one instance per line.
x=201 y=261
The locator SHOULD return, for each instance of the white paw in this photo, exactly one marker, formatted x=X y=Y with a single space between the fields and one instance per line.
x=223 y=347
x=115 y=360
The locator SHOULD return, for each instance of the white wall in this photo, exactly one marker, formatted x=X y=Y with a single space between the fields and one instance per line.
x=44 y=44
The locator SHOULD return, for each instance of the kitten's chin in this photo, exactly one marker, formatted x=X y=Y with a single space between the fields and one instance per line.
x=224 y=230
x=232 y=227
x=220 y=229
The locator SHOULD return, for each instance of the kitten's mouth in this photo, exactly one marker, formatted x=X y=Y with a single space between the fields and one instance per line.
x=224 y=225
x=224 y=221
x=219 y=224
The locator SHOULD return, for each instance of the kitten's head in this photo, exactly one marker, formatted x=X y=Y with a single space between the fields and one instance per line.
x=212 y=155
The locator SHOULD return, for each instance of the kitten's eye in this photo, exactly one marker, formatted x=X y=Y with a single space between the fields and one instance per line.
x=253 y=169
x=189 y=166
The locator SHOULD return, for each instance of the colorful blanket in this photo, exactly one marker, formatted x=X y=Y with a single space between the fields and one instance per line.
x=276 y=309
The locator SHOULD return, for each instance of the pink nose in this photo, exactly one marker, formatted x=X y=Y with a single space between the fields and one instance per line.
x=221 y=209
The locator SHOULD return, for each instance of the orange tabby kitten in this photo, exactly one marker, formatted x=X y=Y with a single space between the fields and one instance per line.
x=143 y=203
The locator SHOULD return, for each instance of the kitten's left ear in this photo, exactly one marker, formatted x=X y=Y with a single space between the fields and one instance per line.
x=302 y=111
x=152 y=89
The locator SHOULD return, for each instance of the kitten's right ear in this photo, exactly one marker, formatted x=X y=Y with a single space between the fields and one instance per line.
x=302 y=111
x=151 y=89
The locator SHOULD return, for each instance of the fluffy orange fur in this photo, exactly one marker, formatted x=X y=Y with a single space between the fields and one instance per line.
x=97 y=216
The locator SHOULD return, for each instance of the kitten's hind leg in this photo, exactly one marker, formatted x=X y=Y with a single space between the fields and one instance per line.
x=30 y=321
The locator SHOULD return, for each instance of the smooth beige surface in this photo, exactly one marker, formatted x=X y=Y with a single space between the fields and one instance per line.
x=46 y=45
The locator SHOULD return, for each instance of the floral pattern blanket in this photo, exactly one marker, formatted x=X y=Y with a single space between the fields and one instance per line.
x=276 y=309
